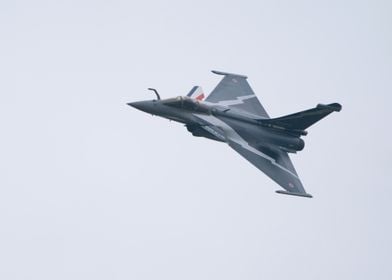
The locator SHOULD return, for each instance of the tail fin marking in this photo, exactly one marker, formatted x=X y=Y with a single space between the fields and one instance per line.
x=196 y=93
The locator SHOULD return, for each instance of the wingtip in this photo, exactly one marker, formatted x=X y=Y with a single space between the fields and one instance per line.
x=295 y=194
x=226 y=73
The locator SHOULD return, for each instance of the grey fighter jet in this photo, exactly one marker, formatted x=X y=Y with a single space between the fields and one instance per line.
x=233 y=114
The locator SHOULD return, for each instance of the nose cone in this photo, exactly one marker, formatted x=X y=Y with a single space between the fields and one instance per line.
x=144 y=106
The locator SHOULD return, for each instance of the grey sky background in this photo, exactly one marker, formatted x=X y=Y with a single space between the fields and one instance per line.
x=93 y=189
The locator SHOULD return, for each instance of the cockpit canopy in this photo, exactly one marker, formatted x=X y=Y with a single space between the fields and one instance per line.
x=186 y=103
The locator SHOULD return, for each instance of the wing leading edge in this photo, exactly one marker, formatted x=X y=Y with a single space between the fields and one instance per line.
x=275 y=164
x=235 y=92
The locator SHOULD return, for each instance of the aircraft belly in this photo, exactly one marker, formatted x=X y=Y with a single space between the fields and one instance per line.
x=251 y=133
x=263 y=137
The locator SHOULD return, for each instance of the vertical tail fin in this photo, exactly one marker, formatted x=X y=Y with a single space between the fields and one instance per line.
x=302 y=120
x=196 y=93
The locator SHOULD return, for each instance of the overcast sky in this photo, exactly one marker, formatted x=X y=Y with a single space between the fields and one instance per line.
x=93 y=189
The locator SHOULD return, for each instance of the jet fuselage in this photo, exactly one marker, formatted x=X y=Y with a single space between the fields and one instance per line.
x=233 y=114
x=189 y=112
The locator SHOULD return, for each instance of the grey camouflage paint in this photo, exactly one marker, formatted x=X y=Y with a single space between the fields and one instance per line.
x=233 y=114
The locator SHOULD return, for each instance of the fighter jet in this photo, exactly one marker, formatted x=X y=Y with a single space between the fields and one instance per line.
x=233 y=114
